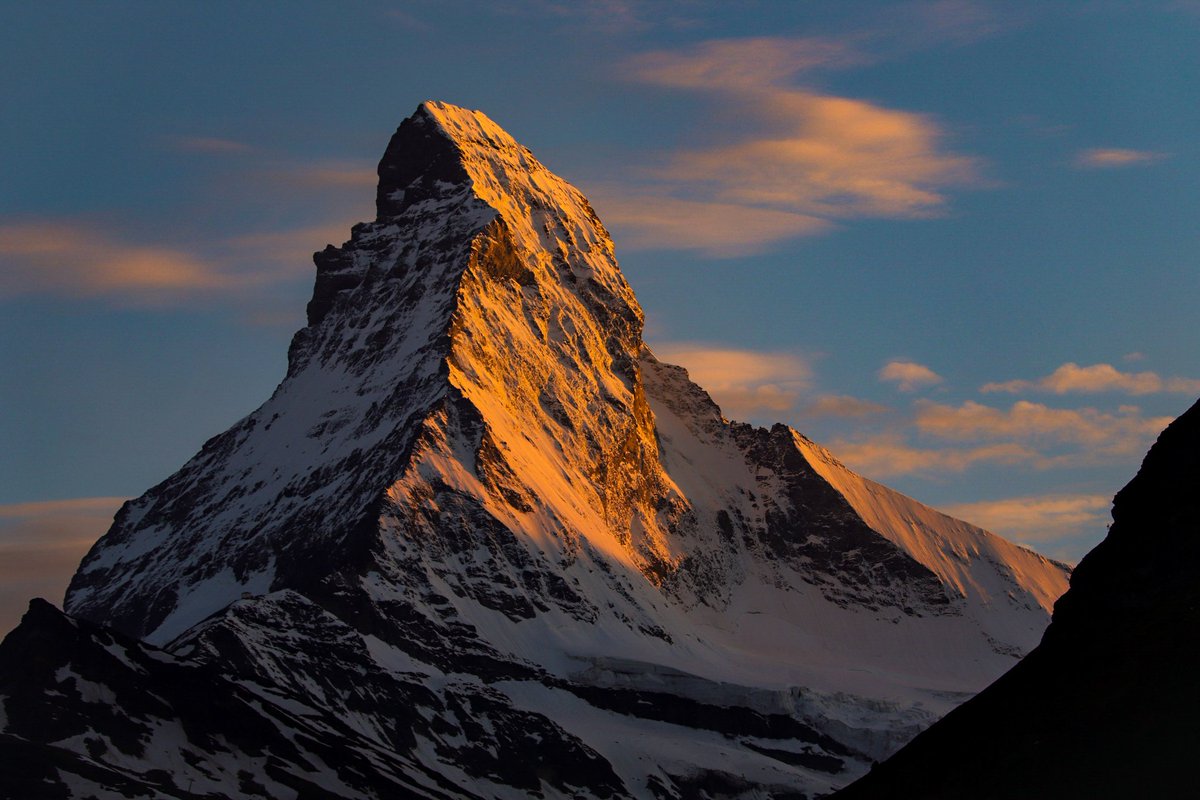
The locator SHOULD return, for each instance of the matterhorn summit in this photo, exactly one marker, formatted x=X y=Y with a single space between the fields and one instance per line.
x=480 y=542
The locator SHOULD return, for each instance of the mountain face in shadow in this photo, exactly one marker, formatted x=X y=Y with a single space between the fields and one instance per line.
x=1108 y=705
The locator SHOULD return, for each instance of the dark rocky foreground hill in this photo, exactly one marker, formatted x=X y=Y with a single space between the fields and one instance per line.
x=1108 y=705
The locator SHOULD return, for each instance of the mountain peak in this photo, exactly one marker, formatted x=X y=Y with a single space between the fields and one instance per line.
x=467 y=127
x=475 y=466
x=442 y=147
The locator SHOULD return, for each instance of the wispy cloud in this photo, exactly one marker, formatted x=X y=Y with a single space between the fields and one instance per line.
x=41 y=544
x=739 y=64
x=835 y=157
x=805 y=153
x=744 y=383
x=614 y=17
x=1038 y=518
x=1072 y=378
x=928 y=23
x=908 y=375
x=1110 y=157
x=839 y=405
x=328 y=175
x=407 y=19
x=1095 y=434
x=78 y=260
x=206 y=144
x=721 y=230
x=891 y=454
x=941 y=439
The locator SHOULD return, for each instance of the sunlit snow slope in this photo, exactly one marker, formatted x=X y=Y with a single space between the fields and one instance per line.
x=477 y=483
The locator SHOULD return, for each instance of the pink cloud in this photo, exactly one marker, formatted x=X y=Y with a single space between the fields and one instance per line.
x=743 y=382
x=908 y=375
x=41 y=545
x=1038 y=518
x=1098 y=433
x=834 y=405
x=1072 y=378
x=889 y=455
x=1110 y=157
x=649 y=222
x=56 y=257
x=811 y=155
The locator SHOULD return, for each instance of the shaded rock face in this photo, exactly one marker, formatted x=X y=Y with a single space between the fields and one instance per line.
x=481 y=542
x=1106 y=706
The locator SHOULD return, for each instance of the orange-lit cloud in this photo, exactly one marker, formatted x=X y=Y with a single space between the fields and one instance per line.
x=68 y=258
x=286 y=253
x=648 y=222
x=832 y=157
x=837 y=405
x=81 y=261
x=908 y=375
x=41 y=544
x=738 y=64
x=1038 y=518
x=1098 y=433
x=954 y=438
x=802 y=152
x=1110 y=157
x=1072 y=378
x=890 y=454
x=743 y=382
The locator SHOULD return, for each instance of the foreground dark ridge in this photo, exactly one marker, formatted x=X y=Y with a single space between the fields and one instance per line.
x=481 y=542
x=1107 y=706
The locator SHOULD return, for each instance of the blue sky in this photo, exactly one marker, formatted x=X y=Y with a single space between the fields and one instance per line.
x=955 y=241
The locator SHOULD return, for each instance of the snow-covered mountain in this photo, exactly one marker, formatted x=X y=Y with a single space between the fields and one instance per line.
x=481 y=543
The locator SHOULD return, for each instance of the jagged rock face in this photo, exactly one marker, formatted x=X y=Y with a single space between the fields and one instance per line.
x=1106 y=705
x=477 y=493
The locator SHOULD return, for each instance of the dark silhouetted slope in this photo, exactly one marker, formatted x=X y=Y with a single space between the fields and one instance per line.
x=1108 y=705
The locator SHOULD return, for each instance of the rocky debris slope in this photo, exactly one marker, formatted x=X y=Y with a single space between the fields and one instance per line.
x=483 y=528
x=1106 y=706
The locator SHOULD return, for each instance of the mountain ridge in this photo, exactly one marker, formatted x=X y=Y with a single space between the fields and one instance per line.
x=479 y=493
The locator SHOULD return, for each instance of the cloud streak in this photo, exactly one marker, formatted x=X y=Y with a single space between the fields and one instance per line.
x=54 y=257
x=890 y=454
x=744 y=383
x=41 y=544
x=1097 y=378
x=943 y=439
x=1115 y=157
x=1038 y=518
x=719 y=230
x=1096 y=433
x=908 y=376
x=837 y=405
x=73 y=259
x=814 y=155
